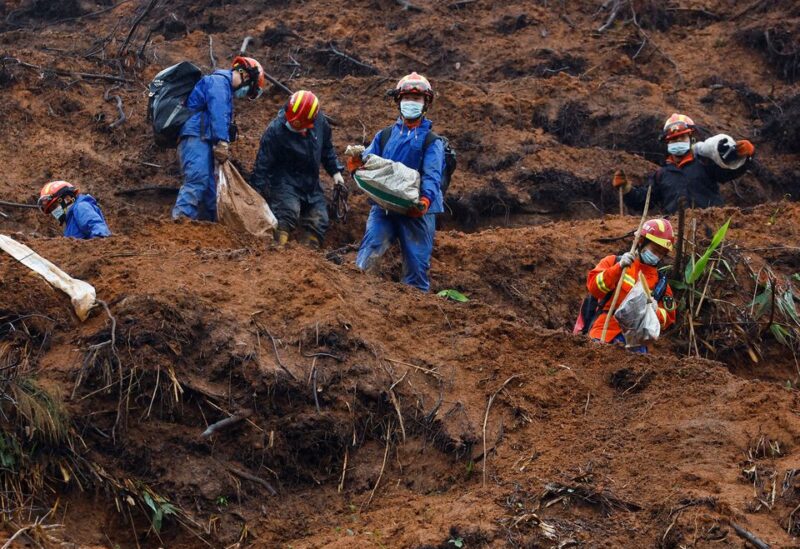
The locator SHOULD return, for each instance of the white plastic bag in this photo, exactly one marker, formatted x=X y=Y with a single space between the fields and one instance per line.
x=708 y=149
x=638 y=320
x=392 y=185
x=82 y=294
x=240 y=206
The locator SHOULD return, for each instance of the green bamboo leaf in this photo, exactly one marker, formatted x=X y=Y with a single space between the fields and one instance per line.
x=455 y=295
x=700 y=266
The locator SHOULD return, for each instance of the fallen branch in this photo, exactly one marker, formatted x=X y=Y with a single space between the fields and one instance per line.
x=136 y=23
x=609 y=239
x=160 y=188
x=748 y=536
x=460 y=4
x=245 y=43
x=211 y=52
x=253 y=478
x=225 y=423
x=64 y=72
x=278 y=83
x=275 y=347
x=350 y=59
x=19 y=205
x=486 y=420
x=118 y=100
x=408 y=6
x=612 y=16
x=383 y=466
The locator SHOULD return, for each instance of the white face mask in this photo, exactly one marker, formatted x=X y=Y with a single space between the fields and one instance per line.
x=678 y=148
x=58 y=213
x=411 y=110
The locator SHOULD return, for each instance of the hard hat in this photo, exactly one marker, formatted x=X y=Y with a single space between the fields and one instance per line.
x=53 y=193
x=676 y=126
x=660 y=232
x=302 y=109
x=255 y=71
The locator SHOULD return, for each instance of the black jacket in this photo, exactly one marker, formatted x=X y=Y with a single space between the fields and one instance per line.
x=288 y=158
x=697 y=180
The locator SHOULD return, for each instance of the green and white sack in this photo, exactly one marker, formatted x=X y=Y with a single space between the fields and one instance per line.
x=392 y=185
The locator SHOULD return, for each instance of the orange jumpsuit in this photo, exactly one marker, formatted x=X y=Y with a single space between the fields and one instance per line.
x=604 y=278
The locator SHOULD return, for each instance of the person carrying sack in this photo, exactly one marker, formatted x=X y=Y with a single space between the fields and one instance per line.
x=693 y=171
x=286 y=172
x=206 y=135
x=405 y=142
x=657 y=240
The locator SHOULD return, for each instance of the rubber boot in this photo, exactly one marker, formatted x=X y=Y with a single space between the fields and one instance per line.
x=281 y=237
x=312 y=241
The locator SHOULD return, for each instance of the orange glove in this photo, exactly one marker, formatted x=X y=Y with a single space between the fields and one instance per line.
x=354 y=163
x=745 y=148
x=420 y=209
x=621 y=181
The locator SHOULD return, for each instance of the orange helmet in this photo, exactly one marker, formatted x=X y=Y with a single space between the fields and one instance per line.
x=413 y=83
x=258 y=80
x=52 y=195
x=302 y=109
x=676 y=126
x=660 y=232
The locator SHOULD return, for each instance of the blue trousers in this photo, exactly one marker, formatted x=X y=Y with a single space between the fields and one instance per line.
x=292 y=206
x=415 y=235
x=197 y=198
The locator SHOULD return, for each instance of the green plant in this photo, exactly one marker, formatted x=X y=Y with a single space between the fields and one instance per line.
x=160 y=508
x=695 y=270
x=458 y=542
x=221 y=501
x=455 y=295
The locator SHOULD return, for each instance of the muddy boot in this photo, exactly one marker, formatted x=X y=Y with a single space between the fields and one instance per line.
x=281 y=238
x=312 y=241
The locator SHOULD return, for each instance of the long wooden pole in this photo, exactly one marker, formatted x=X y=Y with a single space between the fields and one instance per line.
x=622 y=276
x=621 y=203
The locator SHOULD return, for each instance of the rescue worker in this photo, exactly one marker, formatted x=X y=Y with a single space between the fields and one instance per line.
x=286 y=171
x=686 y=175
x=205 y=137
x=79 y=213
x=415 y=229
x=656 y=242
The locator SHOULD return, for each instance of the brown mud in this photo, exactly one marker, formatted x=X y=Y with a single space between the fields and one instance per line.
x=366 y=414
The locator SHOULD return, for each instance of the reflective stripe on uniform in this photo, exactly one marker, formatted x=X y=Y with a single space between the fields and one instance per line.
x=629 y=279
x=601 y=283
x=662 y=316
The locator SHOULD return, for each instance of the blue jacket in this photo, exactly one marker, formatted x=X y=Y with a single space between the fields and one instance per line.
x=288 y=158
x=85 y=220
x=212 y=98
x=405 y=146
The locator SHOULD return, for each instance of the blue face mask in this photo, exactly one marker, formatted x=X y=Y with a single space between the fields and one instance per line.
x=242 y=92
x=411 y=110
x=679 y=148
x=649 y=258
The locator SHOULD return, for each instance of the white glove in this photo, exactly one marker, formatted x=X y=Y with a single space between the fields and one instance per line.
x=338 y=179
x=627 y=259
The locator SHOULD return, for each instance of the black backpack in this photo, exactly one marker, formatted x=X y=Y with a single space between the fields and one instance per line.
x=591 y=307
x=167 y=108
x=450 y=161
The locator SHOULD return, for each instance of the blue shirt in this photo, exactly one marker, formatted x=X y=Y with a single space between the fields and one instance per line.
x=85 y=220
x=405 y=146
